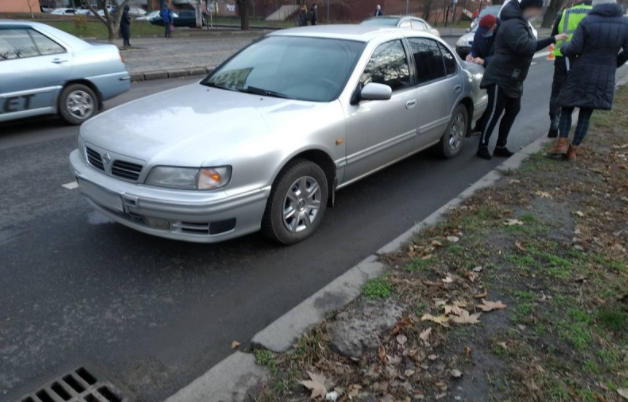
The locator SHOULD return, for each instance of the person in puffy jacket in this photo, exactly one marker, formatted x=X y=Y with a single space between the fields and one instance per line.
x=515 y=46
x=166 y=16
x=594 y=55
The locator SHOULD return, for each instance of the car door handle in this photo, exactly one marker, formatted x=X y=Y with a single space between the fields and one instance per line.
x=59 y=61
x=457 y=88
x=411 y=103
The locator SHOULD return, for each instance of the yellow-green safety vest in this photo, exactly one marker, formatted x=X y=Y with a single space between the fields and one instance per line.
x=569 y=22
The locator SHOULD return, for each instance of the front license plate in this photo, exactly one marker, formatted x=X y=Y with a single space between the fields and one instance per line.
x=101 y=196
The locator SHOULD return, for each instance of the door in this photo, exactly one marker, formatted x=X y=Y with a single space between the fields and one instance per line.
x=380 y=132
x=33 y=69
x=440 y=86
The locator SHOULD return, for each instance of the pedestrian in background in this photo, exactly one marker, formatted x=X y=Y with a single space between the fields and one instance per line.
x=125 y=27
x=567 y=22
x=378 y=11
x=590 y=84
x=166 y=17
x=303 y=15
x=515 y=46
x=314 y=18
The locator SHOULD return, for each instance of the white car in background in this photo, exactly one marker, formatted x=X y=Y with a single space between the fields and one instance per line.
x=62 y=11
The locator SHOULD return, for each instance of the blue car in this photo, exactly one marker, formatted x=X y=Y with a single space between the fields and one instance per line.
x=47 y=71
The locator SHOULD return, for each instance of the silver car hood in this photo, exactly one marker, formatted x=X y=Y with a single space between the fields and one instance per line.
x=193 y=125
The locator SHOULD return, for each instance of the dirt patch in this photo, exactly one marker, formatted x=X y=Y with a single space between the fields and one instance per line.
x=520 y=295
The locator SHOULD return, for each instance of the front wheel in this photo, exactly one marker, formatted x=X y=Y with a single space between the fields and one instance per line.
x=297 y=203
x=451 y=142
x=77 y=103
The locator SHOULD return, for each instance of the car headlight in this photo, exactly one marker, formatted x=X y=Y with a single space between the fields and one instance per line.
x=189 y=178
x=462 y=42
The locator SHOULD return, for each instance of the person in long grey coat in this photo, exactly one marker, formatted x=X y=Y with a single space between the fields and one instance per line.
x=593 y=59
x=125 y=26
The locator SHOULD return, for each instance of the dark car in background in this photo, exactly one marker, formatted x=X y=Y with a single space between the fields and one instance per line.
x=184 y=18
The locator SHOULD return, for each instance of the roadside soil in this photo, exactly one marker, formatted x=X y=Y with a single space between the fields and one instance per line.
x=521 y=294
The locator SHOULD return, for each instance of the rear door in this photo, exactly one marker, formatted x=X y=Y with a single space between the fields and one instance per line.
x=439 y=87
x=33 y=69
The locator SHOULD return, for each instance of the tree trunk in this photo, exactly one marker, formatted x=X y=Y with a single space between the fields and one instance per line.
x=551 y=13
x=243 y=6
x=149 y=6
x=427 y=10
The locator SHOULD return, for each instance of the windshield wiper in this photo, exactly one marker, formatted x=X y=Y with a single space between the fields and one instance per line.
x=265 y=92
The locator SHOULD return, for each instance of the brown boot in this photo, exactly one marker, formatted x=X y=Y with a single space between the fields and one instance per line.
x=560 y=148
x=571 y=153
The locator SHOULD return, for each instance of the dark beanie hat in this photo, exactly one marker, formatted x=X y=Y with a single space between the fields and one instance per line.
x=523 y=4
x=488 y=21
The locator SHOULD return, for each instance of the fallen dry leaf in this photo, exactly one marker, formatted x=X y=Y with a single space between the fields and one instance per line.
x=466 y=318
x=520 y=247
x=436 y=243
x=623 y=392
x=620 y=146
x=432 y=357
x=453 y=239
x=425 y=335
x=404 y=322
x=514 y=181
x=467 y=351
x=456 y=373
x=354 y=390
x=317 y=385
x=478 y=269
x=579 y=213
x=490 y=306
x=513 y=222
x=481 y=295
x=441 y=319
x=430 y=283
x=381 y=353
x=442 y=386
x=455 y=309
x=448 y=279
x=544 y=194
x=235 y=345
x=402 y=339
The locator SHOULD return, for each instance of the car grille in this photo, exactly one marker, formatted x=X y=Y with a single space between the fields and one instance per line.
x=126 y=170
x=95 y=159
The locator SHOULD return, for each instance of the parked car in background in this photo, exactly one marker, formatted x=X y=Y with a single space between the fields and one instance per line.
x=46 y=9
x=148 y=16
x=63 y=11
x=464 y=43
x=47 y=71
x=266 y=140
x=402 y=22
x=183 y=18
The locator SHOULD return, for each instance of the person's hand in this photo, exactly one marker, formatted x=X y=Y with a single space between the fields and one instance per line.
x=562 y=36
x=469 y=58
x=479 y=60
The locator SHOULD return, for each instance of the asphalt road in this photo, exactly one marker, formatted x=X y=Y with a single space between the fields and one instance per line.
x=154 y=314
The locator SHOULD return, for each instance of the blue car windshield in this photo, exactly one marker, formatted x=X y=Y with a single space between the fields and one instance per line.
x=310 y=69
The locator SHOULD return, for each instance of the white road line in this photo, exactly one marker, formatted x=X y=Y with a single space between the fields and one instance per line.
x=71 y=185
x=541 y=54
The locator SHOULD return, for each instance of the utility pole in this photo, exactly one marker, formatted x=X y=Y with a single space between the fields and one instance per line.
x=407 y=6
x=328 y=11
x=453 y=15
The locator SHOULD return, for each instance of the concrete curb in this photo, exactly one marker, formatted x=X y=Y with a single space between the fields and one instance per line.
x=228 y=381
x=284 y=332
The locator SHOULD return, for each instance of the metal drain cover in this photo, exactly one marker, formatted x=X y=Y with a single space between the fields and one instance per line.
x=79 y=385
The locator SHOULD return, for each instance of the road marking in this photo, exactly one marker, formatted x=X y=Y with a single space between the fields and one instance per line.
x=541 y=54
x=71 y=185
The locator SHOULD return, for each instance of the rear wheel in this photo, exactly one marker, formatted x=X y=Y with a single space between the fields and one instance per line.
x=451 y=142
x=77 y=103
x=297 y=202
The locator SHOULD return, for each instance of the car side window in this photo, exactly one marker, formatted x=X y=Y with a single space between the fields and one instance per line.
x=404 y=24
x=428 y=59
x=16 y=43
x=388 y=65
x=45 y=45
x=450 y=60
x=418 y=25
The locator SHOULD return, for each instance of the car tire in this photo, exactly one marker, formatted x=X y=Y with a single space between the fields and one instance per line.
x=77 y=103
x=453 y=139
x=297 y=203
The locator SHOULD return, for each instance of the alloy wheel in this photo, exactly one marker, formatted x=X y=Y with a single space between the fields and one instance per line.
x=301 y=204
x=80 y=104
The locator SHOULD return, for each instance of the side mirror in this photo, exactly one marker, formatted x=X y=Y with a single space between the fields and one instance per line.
x=467 y=30
x=375 y=92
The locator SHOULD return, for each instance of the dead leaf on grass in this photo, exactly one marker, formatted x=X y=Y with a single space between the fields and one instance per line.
x=402 y=339
x=453 y=239
x=441 y=319
x=513 y=222
x=436 y=243
x=490 y=306
x=623 y=392
x=620 y=146
x=456 y=373
x=478 y=269
x=442 y=386
x=404 y=322
x=354 y=390
x=447 y=279
x=467 y=351
x=432 y=357
x=316 y=385
x=430 y=283
x=544 y=194
x=440 y=396
x=520 y=247
x=381 y=353
x=481 y=295
x=466 y=318
x=425 y=335
x=579 y=213
x=455 y=308
x=514 y=181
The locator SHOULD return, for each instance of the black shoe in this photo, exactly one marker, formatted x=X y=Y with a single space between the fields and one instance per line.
x=553 y=131
x=484 y=154
x=503 y=151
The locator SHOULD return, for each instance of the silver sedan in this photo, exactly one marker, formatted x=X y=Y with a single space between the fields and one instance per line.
x=46 y=71
x=266 y=140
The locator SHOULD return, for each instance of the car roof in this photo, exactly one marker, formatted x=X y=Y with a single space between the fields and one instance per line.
x=358 y=33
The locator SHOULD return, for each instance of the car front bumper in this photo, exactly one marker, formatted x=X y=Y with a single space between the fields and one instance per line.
x=193 y=216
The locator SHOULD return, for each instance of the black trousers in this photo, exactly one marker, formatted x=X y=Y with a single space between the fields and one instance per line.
x=499 y=103
x=560 y=75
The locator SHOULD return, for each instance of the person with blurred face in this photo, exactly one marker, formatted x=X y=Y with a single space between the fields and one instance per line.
x=515 y=46
x=378 y=11
x=590 y=85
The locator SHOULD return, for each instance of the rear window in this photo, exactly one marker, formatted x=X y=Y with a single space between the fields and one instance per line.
x=381 y=21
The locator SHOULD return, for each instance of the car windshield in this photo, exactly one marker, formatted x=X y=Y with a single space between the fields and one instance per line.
x=381 y=21
x=311 y=69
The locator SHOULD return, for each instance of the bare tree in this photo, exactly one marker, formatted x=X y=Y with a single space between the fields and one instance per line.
x=427 y=9
x=31 y=4
x=111 y=21
x=552 y=12
x=243 y=7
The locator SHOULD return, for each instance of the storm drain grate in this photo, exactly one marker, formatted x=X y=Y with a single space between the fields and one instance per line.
x=79 y=385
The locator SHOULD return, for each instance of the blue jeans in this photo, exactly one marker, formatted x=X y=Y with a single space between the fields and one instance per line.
x=584 y=117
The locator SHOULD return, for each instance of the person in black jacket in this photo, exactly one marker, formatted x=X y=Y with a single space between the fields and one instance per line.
x=303 y=16
x=125 y=27
x=314 y=17
x=590 y=83
x=515 y=46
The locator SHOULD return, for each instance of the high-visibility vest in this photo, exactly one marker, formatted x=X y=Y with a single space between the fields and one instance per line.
x=569 y=22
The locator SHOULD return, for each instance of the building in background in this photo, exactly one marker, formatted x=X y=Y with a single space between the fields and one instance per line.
x=19 y=6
